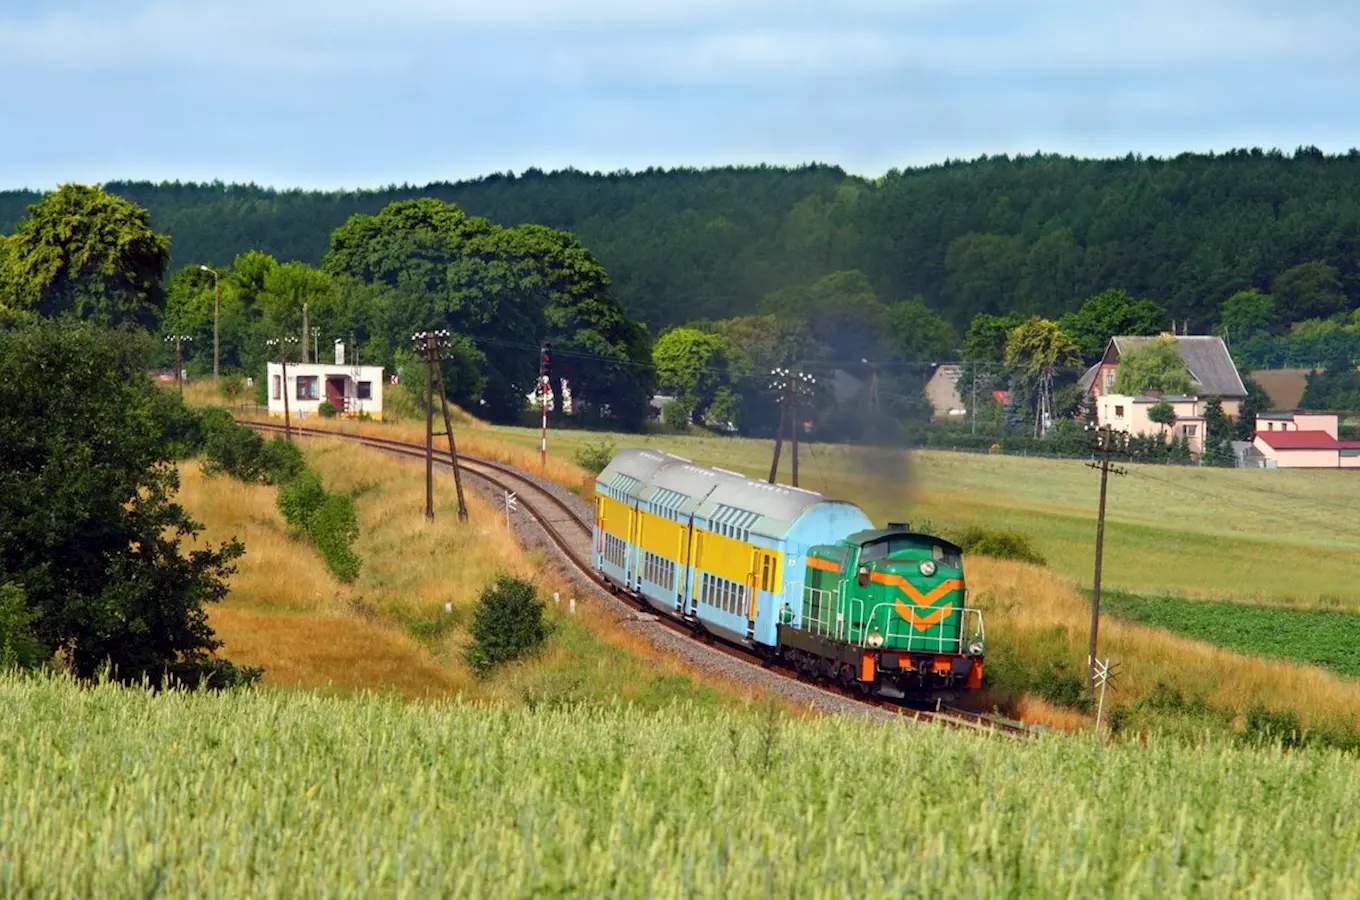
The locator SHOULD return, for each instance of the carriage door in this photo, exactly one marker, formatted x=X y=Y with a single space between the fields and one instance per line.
x=682 y=577
x=634 y=546
x=753 y=590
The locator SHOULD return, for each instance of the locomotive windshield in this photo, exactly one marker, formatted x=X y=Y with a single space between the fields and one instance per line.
x=945 y=556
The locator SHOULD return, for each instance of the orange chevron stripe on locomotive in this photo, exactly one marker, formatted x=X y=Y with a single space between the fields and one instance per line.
x=922 y=615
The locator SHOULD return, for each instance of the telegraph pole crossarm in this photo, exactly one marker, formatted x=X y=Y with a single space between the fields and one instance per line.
x=1104 y=438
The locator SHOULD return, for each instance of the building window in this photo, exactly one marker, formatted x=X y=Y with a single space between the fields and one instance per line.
x=308 y=387
x=1119 y=412
x=1109 y=380
x=364 y=390
x=1189 y=430
x=278 y=388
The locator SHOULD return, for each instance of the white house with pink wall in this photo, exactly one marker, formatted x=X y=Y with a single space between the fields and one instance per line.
x=1298 y=440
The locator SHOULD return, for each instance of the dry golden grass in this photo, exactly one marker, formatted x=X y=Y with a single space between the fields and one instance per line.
x=288 y=614
x=1038 y=611
x=338 y=653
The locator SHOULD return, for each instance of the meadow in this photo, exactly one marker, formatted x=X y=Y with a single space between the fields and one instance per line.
x=1318 y=637
x=1037 y=618
x=390 y=629
x=1272 y=536
x=257 y=793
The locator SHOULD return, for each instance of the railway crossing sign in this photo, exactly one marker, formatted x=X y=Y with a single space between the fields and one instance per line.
x=1105 y=672
x=508 y=501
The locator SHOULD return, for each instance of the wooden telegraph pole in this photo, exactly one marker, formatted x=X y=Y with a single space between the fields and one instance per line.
x=282 y=344
x=180 y=340
x=434 y=347
x=1104 y=437
x=789 y=388
x=544 y=395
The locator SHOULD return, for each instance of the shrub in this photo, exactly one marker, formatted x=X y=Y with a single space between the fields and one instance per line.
x=1017 y=545
x=280 y=460
x=19 y=648
x=327 y=410
x=181 y=427
x=594 y=457
x=333 y=527
x=506 y=624
x=233 y=387
x=675 y=415
x=231 y=448
x=301 y=498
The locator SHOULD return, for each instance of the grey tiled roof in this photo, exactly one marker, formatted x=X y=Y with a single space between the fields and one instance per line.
x=1211 y=368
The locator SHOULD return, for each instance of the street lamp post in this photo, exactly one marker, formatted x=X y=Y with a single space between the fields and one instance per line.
x=179 y=341
x=217 y=312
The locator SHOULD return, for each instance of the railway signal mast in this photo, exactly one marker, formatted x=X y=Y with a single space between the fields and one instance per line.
x=282 y=344
x=1104 y=438
x=434 y=347
x=789 y=388
x=545 y=393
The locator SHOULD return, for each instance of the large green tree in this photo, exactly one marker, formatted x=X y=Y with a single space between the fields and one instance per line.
x=1036 y=351
x=1110 y=314
x=1156 y=365
x=1245 y=314
x=700 y=367
x=111 y=565
x=505 y=289
x=81 y=250
x=919 y=334
x=841 y=309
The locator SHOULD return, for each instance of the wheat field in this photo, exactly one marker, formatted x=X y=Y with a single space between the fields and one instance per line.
x=260 y=794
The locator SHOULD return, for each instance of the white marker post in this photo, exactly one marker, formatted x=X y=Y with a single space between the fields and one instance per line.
x=507 y=501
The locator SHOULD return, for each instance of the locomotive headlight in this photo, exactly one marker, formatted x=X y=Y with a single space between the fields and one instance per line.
x=927 y=568
x=874 y=639
x=975 y=647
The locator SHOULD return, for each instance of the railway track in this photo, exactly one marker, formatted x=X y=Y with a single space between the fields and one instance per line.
x=571 y=533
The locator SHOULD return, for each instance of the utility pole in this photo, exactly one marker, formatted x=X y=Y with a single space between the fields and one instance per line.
x=435 y=347
x=217 y=318
x=305 y=334
x=316 y=343
x=1104 y=437
x=790 y=387
x=873 y=385
x=283 y=343
x=180 y=340
x=545 y=391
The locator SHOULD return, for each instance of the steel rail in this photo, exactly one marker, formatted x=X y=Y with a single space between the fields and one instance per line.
x=508 y=478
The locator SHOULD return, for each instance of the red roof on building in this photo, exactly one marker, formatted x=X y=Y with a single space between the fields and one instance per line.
x=1001 y=396
x=1299 y=440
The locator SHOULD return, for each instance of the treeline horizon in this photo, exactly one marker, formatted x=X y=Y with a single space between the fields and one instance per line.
x=996 y=234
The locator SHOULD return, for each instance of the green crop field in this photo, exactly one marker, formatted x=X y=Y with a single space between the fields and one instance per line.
x=1330 y=639
x=117 y=792
x=1283 y=536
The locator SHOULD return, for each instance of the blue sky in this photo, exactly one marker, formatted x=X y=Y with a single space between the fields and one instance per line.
x=343 y=93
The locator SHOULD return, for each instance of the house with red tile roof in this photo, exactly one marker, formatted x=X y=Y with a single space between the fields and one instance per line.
x=1301 y=440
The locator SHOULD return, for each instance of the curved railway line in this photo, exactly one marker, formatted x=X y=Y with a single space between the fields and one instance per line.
x=571 y=533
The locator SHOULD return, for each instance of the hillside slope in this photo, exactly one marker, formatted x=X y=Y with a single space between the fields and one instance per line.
x=1037 y=234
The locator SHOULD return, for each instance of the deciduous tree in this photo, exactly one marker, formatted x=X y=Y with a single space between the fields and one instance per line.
x=1156 y=365
x=83 y=251
x=88 y=527
x=1035 y=352
x=1110 y=314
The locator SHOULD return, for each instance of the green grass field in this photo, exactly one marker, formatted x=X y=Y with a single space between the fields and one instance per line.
x=113 y=792
x=1283 y=536
x=1318 y=637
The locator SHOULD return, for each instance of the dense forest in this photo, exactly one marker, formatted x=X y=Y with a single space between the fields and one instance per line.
x=1033 y=235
